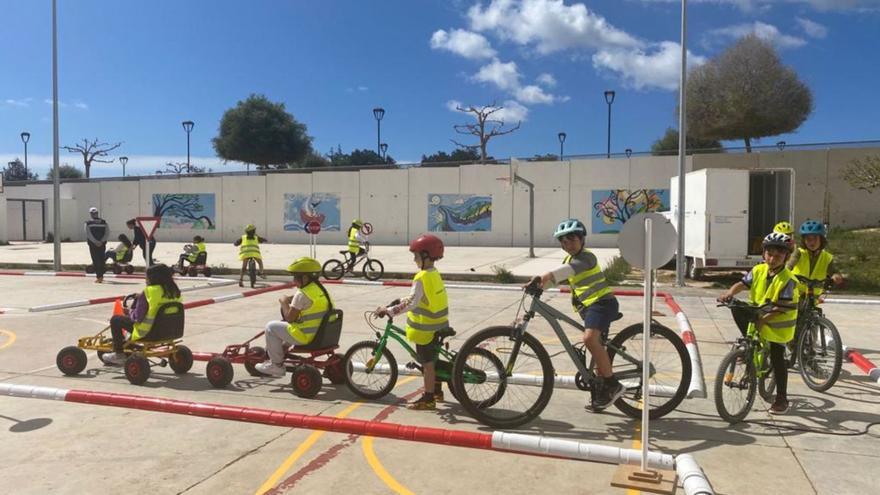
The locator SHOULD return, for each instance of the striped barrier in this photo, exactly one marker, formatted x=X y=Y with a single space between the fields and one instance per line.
x=109 y=299
x=863 y=363
x=238 y=295
x=137 y=276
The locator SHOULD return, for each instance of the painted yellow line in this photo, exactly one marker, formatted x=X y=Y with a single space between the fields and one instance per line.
x=393 y=484
x=10 y=336
x=636 y=445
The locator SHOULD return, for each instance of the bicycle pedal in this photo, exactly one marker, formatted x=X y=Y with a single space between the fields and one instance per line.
x=411 y=365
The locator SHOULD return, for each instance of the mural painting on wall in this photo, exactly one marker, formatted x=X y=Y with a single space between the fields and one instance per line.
x=300 y=209
x=459 y=213
x=185 y=211
x=613 y=207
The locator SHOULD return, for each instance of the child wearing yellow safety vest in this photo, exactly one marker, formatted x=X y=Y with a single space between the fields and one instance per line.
x=772 y=282
x=592 y=299
x=138 y=320
x=122 y=252
x=303 y=313
x=811 y=259
x=192 y=251
x=427 y=311
x=355 y=240
x=249 y=247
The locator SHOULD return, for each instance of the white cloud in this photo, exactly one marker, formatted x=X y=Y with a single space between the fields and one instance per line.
x=62 y=104
x=549 y=25
x=461 y=42
x=820 y=5
x=813 y=29
x=25 y=102
x=452 y=105
x=509 y=112
x=533 y=94
x=546 y=80
x=81 y=105
x=760 y=29
x=657 y=68
x=503 y=75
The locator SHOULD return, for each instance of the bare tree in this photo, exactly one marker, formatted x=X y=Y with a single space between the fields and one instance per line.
x=180 y=169
x=863 y=174
x=485 y=129
x=92 y=151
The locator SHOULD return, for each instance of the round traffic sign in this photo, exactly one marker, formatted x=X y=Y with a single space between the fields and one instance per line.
x=631 y=240
x=313 y=227
x=367 y=229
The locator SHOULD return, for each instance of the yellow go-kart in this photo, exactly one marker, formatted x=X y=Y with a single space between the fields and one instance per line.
x=161 y=346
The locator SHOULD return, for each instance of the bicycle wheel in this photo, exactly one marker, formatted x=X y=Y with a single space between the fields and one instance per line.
x=252 y=272
x=503 y=399
x=670 y=365
x=333 y=269
x=735 y=386
x=821 y=354
x=373 y=270
x=369 y=384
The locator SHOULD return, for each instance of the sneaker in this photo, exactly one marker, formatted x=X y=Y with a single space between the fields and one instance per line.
x=241 y=283
x=114 y=358
x=438 y=396
x=423 y=404
x=262 y=275
x=99 y=280
x=780 y=406
x=271 y=369
x=608 y=395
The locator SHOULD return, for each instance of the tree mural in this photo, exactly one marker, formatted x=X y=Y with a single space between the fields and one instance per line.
x=614 y=207
x=190 y=207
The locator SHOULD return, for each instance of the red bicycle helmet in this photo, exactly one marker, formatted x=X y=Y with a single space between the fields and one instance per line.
x=427 y=245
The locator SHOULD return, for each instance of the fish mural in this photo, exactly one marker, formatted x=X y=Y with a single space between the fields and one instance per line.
x=300 y=209
x=459 y=213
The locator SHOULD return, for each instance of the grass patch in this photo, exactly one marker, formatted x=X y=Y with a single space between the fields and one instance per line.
x=616 y=270
x=503 y=275
x=857 y=256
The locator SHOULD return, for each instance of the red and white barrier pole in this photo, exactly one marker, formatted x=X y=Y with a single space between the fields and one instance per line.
x=138 y=276
x=863 y=363
x=238 y=295
x=110 y=299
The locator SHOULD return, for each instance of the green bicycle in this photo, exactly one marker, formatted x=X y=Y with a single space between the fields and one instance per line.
x=371 y=369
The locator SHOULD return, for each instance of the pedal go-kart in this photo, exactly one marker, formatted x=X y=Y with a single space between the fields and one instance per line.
x=305 y=362
x=161 y=346
x=117 y=267
x=199 y=265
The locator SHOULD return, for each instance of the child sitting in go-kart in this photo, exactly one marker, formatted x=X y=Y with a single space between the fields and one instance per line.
x=191 y=253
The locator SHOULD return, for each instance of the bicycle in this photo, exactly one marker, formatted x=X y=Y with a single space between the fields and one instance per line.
x=371 y=369
x=746 y=368
x=528 y=364
x=817 y=342
x=251 y=271
x=372 y=269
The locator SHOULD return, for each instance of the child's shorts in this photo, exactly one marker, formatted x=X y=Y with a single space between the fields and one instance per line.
x=600 y=314
x=427 y=353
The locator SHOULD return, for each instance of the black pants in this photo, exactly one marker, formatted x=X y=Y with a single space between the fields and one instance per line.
x=118 y=323
x=780 y=369
x=97 y=254
x=152 y=251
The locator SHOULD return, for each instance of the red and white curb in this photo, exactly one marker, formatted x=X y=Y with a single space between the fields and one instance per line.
x=863 y=363
x=109 y=299
x=687 y=469
x=140 y=276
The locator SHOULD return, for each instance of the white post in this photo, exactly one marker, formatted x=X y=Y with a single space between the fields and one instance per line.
x=682 y=137
x=56 y=180
x=646 y=362
x=149 y=255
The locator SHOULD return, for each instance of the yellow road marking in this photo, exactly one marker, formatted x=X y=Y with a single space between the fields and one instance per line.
x=393 y=484
x=636 y=445
x=10 y=335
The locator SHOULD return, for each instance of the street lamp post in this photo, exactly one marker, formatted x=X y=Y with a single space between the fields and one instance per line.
x=609 y=98
x=384 y=148
x=628 y=152
x=25 y=137
x=123 y=160
x=561 y=137
x=378 y=113
x=188 y=127
x=780 y=145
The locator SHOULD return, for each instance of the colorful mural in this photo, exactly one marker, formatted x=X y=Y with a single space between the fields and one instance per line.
x=185 y=211
x=300 y=209
x=459 y=213
x=613 y=207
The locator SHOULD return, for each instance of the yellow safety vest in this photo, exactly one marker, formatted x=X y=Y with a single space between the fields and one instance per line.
x=249 y=248
x=353 y=245
x=201 y=249
x=304 y=328
x=587 y=286
x=819 y=271
x=155 y=299
x=432 y=313
x=780 y=326
x=120 y=253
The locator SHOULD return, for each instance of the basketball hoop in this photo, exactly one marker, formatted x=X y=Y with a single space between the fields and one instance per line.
x=506 y=182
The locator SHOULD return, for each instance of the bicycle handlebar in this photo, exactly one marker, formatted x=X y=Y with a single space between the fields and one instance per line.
x=814 y=284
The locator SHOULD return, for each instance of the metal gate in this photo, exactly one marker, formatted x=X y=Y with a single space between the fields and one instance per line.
x=26 y=219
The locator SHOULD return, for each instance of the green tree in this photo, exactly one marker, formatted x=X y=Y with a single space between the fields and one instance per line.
x=548 y=157
x=668 y=144
x=65 y=172
x=863 y=174
x=746 y=93
x=358 y=158
x=180 y=168
x=14 y=170
x=261 y=132
x=458 y=155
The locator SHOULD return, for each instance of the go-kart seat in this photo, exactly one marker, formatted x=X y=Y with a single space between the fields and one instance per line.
x=327 y=335
x=168 y=324
x=201 y=258
x=126 y=258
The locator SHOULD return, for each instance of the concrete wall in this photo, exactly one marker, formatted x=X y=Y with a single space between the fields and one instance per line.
x=396 y=201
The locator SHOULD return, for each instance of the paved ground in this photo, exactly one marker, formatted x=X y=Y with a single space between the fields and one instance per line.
x=53 y=447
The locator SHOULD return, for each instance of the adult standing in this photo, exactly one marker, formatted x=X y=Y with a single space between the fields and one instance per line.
x=97 y=233
x=140 y=240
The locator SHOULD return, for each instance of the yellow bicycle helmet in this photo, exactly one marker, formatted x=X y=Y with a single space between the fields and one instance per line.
x=784 y=228
x=357 y=222
x=250 y=228
x=305 y=265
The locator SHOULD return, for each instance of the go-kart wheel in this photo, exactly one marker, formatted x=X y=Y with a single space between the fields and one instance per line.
x=219 y=371
x=117 y=269
x=137 y=369
x=333 y=369
x=71 y=360
x=181 y=360
x=306 y=381
x=207 y=271
x=192 y=271
x=256 y=355
x=90 y=269
x=129 y=269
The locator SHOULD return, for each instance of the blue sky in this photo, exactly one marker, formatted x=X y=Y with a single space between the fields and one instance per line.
x=132 y=71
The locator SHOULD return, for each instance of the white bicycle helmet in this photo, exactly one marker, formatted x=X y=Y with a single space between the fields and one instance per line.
x=777 y=239
x=570 y=226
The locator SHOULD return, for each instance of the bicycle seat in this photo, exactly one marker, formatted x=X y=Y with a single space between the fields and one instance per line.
x=344 y=251
x=446 y=332
x=619 y=316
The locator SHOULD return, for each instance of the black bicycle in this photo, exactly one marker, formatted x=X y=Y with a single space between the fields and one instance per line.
x=519 y=394
x=816 y=345
x=372 y=268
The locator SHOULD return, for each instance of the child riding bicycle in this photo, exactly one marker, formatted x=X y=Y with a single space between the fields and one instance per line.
x=356 y=240
x=812 y=260
x=427 y=312
x=249 y=247
x=772 y=282
x=592 y=299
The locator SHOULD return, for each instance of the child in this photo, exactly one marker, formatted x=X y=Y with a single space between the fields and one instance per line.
x=772 y=282
x=355 y=239
x=592 y=299
x=137 y=321
x=250 y=248
x=303 y=313
x=427 y=312
x=786 y=228
x=121 y=251
x=812 y=260
x=191 y=252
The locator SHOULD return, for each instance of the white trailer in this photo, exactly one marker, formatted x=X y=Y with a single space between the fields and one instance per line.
x=727 y=214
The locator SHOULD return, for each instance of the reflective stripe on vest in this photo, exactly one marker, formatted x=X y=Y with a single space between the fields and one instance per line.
x=120 y=253
x=587 y=286
x=304 y=328
x=249 y=248
x=432 y=312
x=353 y=244
x=780 y=326
x=155 y=299
x=819 y=271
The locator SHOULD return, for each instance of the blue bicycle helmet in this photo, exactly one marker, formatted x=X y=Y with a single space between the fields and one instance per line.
x=570 y=226
x=812 y=227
